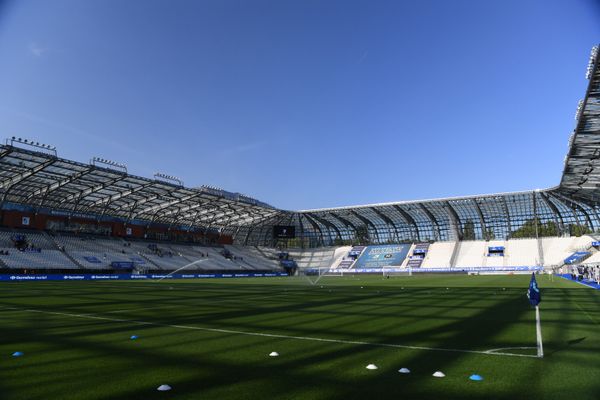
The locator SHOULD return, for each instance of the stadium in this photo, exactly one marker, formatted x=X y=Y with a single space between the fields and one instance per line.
x=65 y=216
x=118 y=284
x=274 y=311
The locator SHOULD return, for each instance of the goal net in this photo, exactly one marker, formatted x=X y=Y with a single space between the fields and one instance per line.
x=396 y=271
x=314 y=275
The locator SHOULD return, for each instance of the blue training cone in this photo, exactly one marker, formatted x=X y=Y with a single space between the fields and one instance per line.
x=476 y=377
x=17 y=354
x=133 y=337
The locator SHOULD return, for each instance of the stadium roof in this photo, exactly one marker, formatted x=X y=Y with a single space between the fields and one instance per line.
x=581 y=174
x=40 y=179
x=573 y=202
x=31 y=174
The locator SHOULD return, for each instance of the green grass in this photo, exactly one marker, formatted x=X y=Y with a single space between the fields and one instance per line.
x=75 y=336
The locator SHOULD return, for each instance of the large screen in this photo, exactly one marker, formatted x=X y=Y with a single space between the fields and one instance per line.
x=284 y=231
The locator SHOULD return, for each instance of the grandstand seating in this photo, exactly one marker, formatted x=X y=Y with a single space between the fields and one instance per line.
x=593 y=259
x=69 y=251
x=253 y=258
x=521 y=252
x=316 y=258
x=98 y=253
x=216 y=261
x=556 y=249
x=93 y=260
x=494 y=261
x=417 y=254
x=339 y=256
x=471 y=253
x=352 y=254
x=37 y=239
x=46 y=259
x=439 y=255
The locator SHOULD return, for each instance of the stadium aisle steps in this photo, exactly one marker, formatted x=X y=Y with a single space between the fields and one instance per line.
x=418 y=255
x=455 y=252
x=58 y=247
x=354 y=251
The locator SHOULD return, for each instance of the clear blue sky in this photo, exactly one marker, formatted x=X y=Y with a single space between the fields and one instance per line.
x=304 y=104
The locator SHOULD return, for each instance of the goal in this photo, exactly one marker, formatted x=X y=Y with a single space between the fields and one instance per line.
x=396 y=271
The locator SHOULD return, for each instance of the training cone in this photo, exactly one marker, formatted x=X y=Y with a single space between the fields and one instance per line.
x=439 y=374
x=476 y=377
x=17 y=354
x=371 y=366
x=273 y=354
x=163 y=388
x=404 y=371
x=133 y=337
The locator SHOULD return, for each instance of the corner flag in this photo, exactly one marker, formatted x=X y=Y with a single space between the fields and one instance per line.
x=533 y=293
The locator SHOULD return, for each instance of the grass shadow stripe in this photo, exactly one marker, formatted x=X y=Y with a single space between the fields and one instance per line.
x=271 y=335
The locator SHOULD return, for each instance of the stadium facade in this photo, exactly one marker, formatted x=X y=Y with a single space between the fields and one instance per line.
x=40 y=190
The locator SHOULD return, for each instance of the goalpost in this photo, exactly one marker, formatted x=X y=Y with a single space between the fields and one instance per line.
x=333 y=272
x=396 y=271
x=314 y=275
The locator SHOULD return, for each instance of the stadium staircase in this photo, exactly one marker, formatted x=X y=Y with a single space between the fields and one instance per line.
x=148 y=260
x=455 y=252
x=418 y=255
x=60 y=248
x=264 y=253
x=579 y=255
x=348 y=262
x=540 y=251
x=3 y=264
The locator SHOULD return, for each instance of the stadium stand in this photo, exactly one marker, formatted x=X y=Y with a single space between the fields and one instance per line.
x=439 y=255
x=314 y=258
x=118 y=220
x=593 y=259
x=253 y=258
x=557 y=249
x=88 y=252
x=522 y=252
x=472 y=254
x=498 y=260
x=418 y=253
x=28 y=260
x=340 y=255
x=350 y=257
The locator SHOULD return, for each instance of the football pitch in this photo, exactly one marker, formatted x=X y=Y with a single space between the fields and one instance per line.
x=211 y=339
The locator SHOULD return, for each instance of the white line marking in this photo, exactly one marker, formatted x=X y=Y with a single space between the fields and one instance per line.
x=538 y=328
x=270 y=335
x=147 y=308
x=509 y=348
x=129 y=309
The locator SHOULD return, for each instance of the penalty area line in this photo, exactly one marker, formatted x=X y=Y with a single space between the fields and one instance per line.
x=492 y=352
